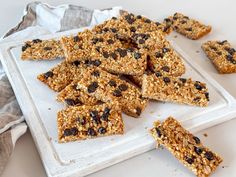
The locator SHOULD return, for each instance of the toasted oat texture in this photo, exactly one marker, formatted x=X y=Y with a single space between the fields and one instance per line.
x=177 y=90
x=165 y=61
x=71 y=96
x=222 y=55
x=188 y=27
x=83 y=122
x=42 y=50
x=107 y=87
x=186 y=147
x=113 y=55
x=128 y=24
x=64 y=73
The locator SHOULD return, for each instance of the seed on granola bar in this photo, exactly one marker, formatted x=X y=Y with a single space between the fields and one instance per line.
x=198 y=150
x=92 y=87
x=76 y=38
x=197 y=140
x=36 y=40
x=25 y=47
x=189 y=160
x=96 y=62
x=183 y=80
x=105 y=54
x=137 y=55
x=117 y=93
x=158 y=74
x=122 y=52
x=165 y=68
x=76 y=63
x=47 y=48
x=110 y=41
x=96 y=73
x=95 y=116
x=81 y=120
x=165 y=50
x=114 y=55
x=70 y=102
x=159 y=55
x=166 y=79
x=138 y=111
x=209 y=155
x=198 y=86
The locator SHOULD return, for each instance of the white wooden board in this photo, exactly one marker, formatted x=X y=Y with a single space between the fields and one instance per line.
x=79 y=158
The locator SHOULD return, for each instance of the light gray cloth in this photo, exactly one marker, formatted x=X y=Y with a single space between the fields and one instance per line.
x=39 y=19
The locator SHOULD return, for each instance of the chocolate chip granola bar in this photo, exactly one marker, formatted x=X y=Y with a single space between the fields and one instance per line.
x=83 y=122
x=186 y=147
x=177 y=90
x=188 y=27
x=108 y=87
x=222 y=55
x=38 y=49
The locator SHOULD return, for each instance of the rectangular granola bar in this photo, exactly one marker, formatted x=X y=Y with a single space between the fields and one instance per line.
x=64 y=73
x=222 y=55
x=107 y=87
x=173 y=89
x=83 y=122
x=110 y=51
x=186 y=147
x=72 y=96
x=38 y=49
x=188 y=27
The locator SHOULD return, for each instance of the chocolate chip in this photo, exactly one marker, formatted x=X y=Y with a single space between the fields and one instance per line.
x=114 y=30
x=167 y=20
x=197 y=140
x=74 y=131
x=189 y=160
x=95 y=116
x=92 y=87
x=130 y=49
x=183 y=80
x=186 y=17
x=159 y=55
x=105 y=54
x=158 y=74
x=67 y=132
x=183 y=21
x=75 y=87
x=95 y=40
x=25 y=47
x=96 y=62
x=110 y=41
x=129 y=18
x=36 y=40
x=76 y=38
x=165 y=68
x=166 y=79
x=106 y=114
x=165 y=50
x=198 y=150
x=114 y=55
x=122 y=52
x=48 y=74
x=91 y=132
x=219 y=53
x=105 y=29
x=207 y=96
x=147 y=21
x=138 y=111
x=112 y=83
x=188 y=29
x=222 y=42
x=123 y=87
x=198 y=86
x=231 y=51
x=158 y=131
x=98 y=48
x=70 y=102
x=81 y=120
x=139 y=16
x=76 y=63
x=117 y=93
x=197 y=99
x=137 y=55
x=47 y=48
x=141 y=41
x=213 y=48
x=158 y=24
x=209 y=155
x=114 y=18
x=132 y=29
x=102 y=130
x=96 y=73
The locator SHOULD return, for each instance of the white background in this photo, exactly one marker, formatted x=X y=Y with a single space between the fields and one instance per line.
x=25 y=161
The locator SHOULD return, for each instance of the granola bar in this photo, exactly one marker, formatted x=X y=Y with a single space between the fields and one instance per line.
x=71 y=96
x=186 y=147
x=188 y=27
x=107 y=87
x=222 y=55
x=165 y=61
x=173 y=89
x=111 y=52
x=64 y=73
x=83 y=122
x=38 y=49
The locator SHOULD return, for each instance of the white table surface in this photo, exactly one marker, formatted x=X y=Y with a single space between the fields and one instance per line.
x=25 y=161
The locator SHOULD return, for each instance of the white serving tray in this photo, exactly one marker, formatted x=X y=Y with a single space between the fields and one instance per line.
x=80 y=158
